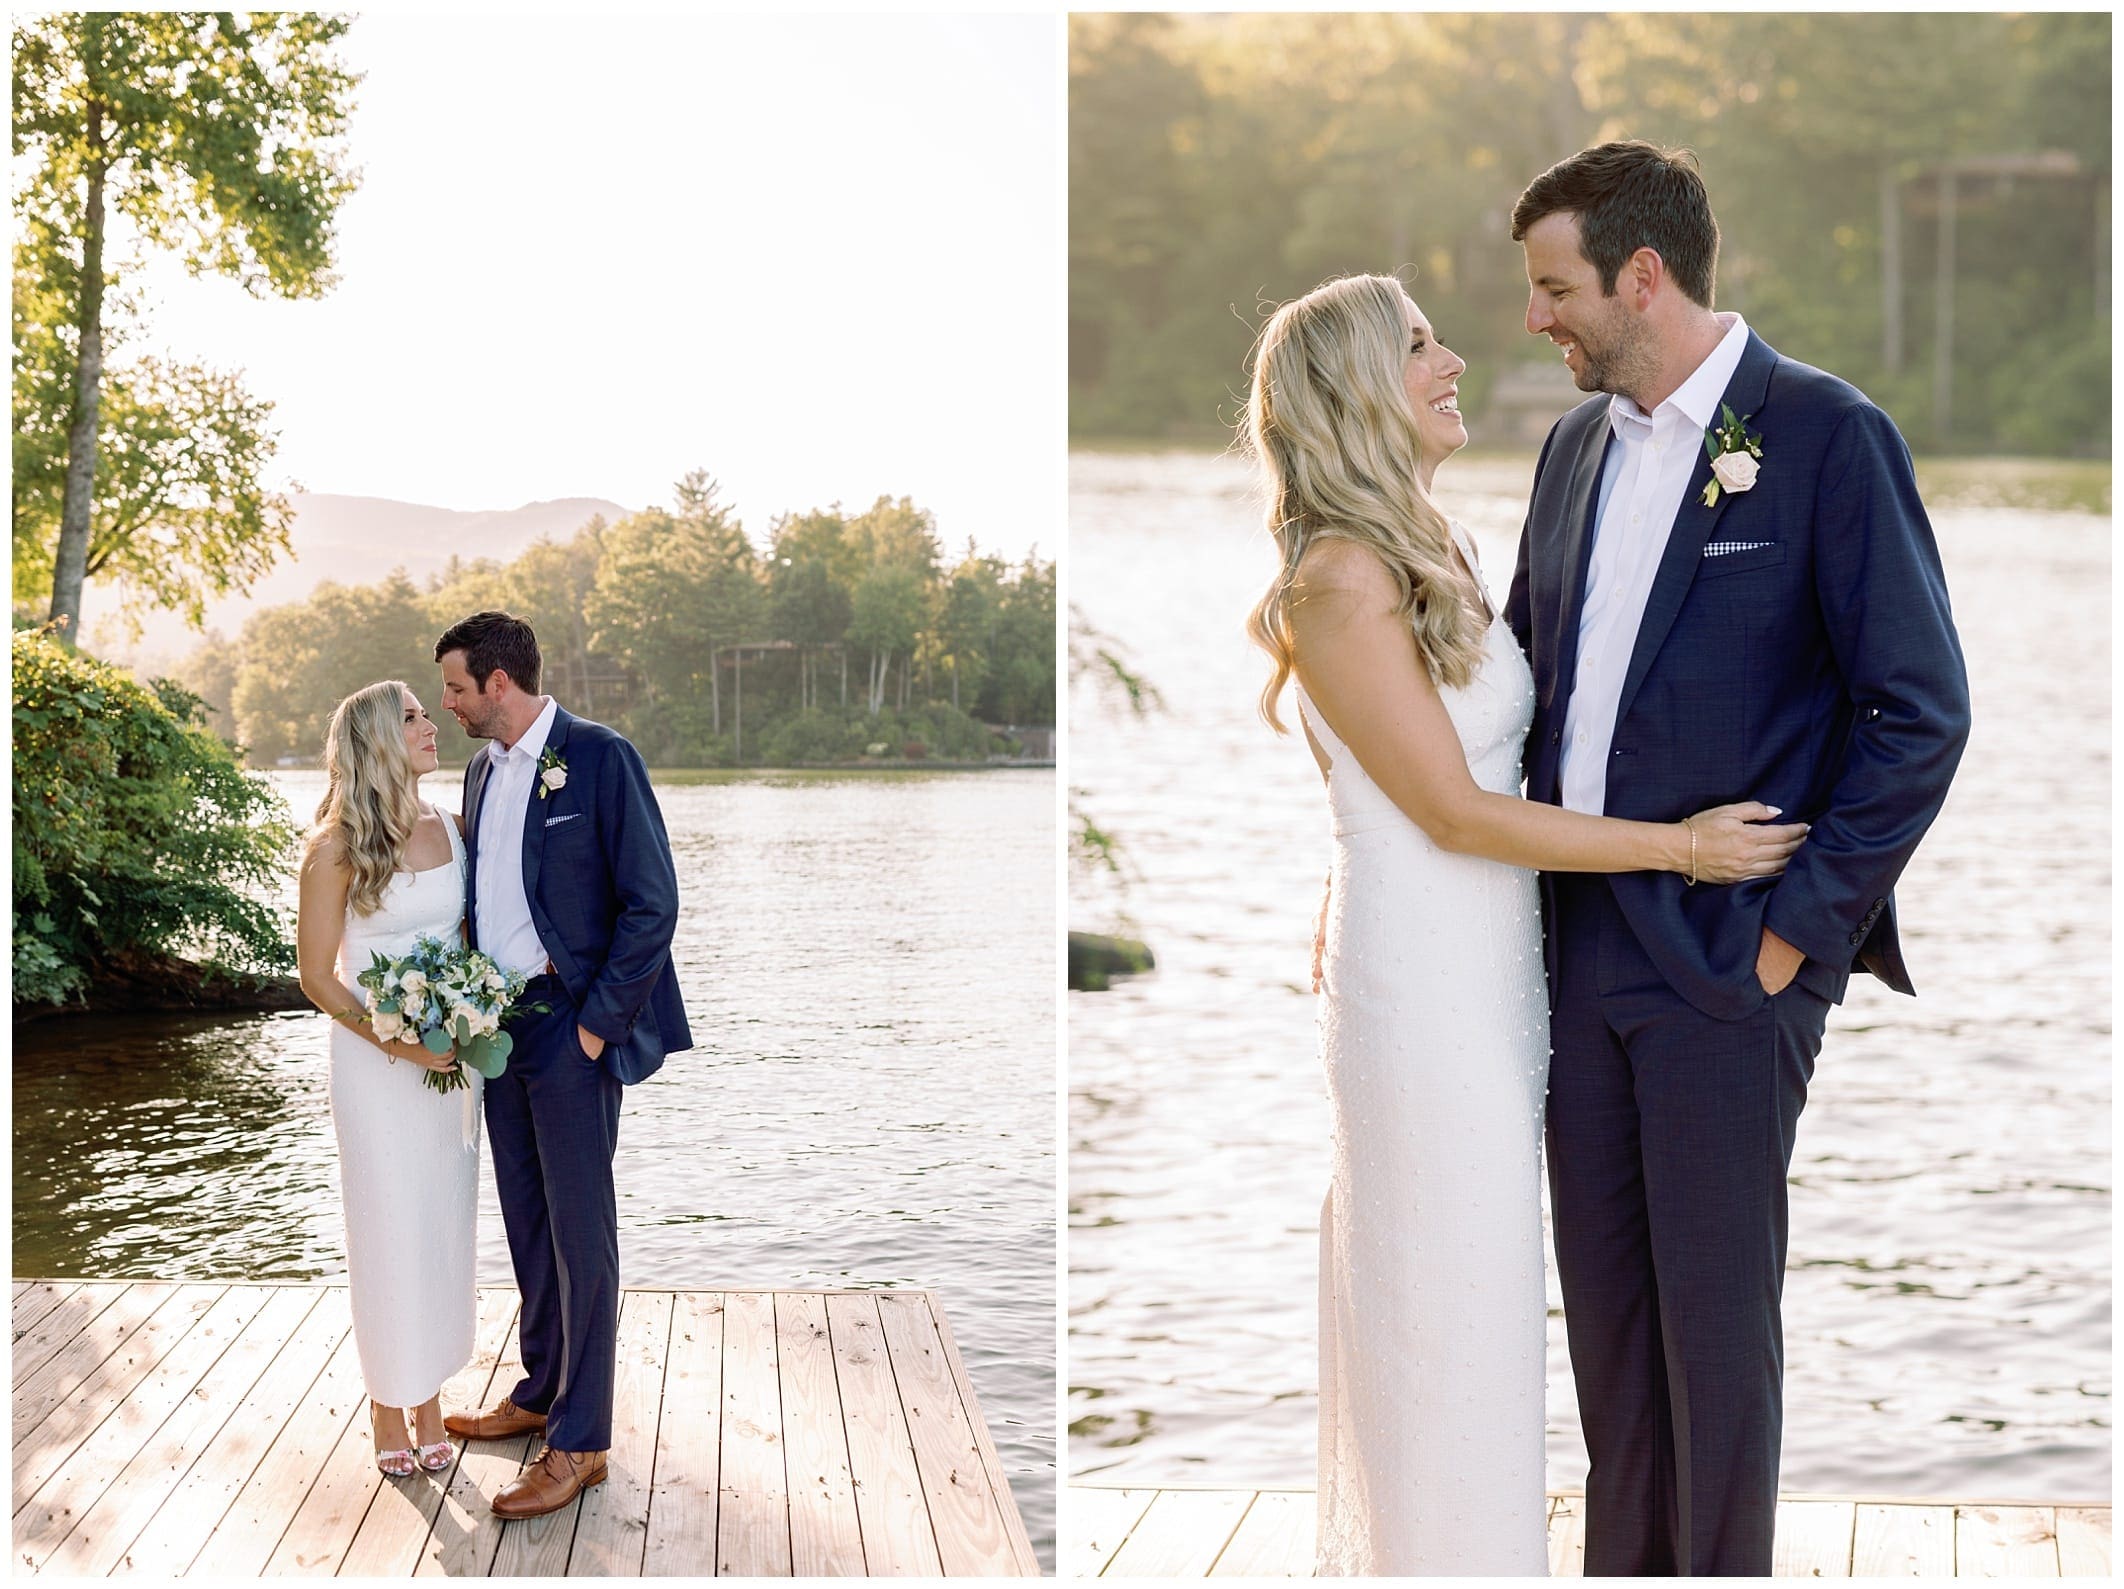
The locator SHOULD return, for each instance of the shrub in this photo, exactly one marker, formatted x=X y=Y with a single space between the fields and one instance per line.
x=138 y=835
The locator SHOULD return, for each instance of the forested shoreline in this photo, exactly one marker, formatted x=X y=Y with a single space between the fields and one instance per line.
x=850 y=638
x=1919 y=203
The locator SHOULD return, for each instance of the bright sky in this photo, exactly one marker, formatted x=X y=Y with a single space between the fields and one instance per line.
x=820 y=257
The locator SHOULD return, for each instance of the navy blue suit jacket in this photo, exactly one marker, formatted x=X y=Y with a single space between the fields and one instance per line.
x=603 y=892
x=1819 y=672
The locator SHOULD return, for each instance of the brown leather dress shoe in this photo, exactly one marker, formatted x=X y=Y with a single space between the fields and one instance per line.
x=550 y=1483
x=505 y=1420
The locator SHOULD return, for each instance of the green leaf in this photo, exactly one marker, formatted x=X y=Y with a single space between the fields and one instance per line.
x=436 y=1042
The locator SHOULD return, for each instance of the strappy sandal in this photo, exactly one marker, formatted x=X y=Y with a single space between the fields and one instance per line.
x=396 y=1464
x=434 y=1458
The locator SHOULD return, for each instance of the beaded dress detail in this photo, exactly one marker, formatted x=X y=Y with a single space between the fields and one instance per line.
x=1434 y=1036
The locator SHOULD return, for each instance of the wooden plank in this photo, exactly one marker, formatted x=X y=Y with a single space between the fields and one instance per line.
x=991 y=1459
x=50 y=1335
x=825 y=1537
x=752 y=1513
x=79 y=1481
x=244 y=1540
x=100 y=1536
x=1273 y=1540
x=394 y=1531
x=972 y=1538
x=467 y=1534
x=185 y=1521
x=1567 y=1538
x=1100 y=1519
x=686 y=1489
x=1892 y=1541
x=2005 y=1542
x=1813 y=1539
x=332 y=1513
x=612 y=1528
x=1181 y=1535
x=2083 y=1541
x=36 y=1300
x=69 y=1377
x=890 y=1507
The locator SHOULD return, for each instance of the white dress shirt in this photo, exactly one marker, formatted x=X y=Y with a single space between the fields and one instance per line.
x=1641 y=490
x=503 y=918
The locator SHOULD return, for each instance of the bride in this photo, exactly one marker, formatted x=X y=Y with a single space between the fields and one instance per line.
x=1415 y=700
x=380 y=870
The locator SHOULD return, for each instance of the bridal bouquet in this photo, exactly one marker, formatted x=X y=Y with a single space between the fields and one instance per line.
x=445 y=996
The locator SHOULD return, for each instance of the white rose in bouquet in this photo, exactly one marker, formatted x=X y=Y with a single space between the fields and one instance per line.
x=412 y=980
x=389 y=1024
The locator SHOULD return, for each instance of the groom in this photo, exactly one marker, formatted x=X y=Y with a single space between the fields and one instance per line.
x=1773 y=626
x=570 y=882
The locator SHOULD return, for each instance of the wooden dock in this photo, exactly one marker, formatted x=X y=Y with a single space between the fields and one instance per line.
x=1133 y=1532
x=220 y=1428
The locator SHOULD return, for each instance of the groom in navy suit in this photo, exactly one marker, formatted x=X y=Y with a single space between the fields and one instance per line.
x=569 y=881
x=1768 y=624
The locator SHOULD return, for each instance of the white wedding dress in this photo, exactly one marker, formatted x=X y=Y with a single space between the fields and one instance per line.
x=1434 y=1034
x=408 y=1165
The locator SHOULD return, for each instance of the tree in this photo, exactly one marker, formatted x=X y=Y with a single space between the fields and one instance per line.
x=301 y=660
x=673 y=589
x=215 y=134
x=966 y=623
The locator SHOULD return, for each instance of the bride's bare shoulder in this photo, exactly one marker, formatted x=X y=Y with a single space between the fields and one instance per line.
x=1341 y=577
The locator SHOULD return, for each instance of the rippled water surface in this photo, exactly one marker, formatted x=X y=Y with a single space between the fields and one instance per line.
x=869 y=966
x=1947 y=1305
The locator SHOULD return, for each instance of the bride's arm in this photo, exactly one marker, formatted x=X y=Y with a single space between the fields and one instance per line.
x=320 y=922
x=1357 y=659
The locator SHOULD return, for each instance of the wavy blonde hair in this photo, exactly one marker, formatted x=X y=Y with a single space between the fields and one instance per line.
x=1331 y=429
x=370 y=808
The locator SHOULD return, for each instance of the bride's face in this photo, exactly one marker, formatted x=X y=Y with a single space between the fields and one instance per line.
x=1431 y=377
x=420 y=736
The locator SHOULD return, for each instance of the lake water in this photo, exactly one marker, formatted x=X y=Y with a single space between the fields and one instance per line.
x=1947 y=1304
x=869 y=967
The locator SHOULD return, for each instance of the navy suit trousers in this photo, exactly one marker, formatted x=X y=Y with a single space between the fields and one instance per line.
x=1669 y=1137
x=552 y=1128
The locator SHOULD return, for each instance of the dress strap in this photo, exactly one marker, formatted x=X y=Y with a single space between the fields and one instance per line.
x=457 y=839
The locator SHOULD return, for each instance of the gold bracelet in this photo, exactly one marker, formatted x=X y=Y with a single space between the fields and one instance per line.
x=1691 y=826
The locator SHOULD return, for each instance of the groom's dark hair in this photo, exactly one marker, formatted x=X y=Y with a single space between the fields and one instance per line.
x=1627 y=196
x=493 y=640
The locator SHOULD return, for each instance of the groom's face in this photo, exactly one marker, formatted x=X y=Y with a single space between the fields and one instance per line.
x=477 y=712
x=1602 y=341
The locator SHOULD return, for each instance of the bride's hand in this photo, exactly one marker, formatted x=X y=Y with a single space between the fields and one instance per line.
x=1738 y=841
x=399 y=1048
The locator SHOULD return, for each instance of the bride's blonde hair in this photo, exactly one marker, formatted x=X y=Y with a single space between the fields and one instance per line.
x=1330 y=426
x=370 y=808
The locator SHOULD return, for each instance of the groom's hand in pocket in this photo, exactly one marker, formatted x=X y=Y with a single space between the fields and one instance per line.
x=1776 y=963
x=593 y=1045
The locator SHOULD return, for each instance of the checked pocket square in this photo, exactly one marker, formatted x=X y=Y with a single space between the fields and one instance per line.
x=1722 y=548
x=554 y=822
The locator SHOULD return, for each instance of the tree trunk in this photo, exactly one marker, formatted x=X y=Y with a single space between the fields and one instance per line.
x=70 y=561
x=844 y=676
x=737 y=661
x=1891 y=271
x=1943 y=316
x=715 y=691
x=954 y=684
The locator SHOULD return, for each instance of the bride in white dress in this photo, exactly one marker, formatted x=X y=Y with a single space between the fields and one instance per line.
x=1434 y=1028
x=382 y=869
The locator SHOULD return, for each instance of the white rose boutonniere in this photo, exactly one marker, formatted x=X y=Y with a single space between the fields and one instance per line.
x=1736 y=455
x=552 y=773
